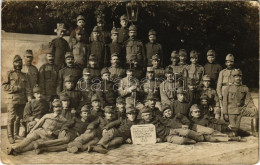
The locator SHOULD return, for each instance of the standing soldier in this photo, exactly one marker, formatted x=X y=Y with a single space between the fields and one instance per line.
x=18 y=90
x=152 y=48
x=181 y=105
x=137 y=68
x=97 y=47
x=176 y=68
x=195 y=71
x=212 y=68
x=81 y=24
x=134 y=46
x=116 y=72
x=30 y=70
x=158 y=71
x=48 y=76
x=237 y=102
x=70 y=69
x=183 y=58
x=93 y=67
x=123 y=31
x=104 y=35
x=59 y=45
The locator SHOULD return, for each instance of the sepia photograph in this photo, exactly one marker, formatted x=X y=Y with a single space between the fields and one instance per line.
x=129 y=82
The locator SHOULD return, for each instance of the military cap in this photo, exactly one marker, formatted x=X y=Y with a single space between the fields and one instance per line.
x=79 y=30
x=130 y=110
x=180 y=90
x=114 y=31
x=95 y=97
x=236 y=72
x=17 y=58
x=146 y=109
x=168 y=71
x=68 y=54
x=206 y=77
x=193 y=54
x=182 y=52
x=120 y=100
x=60 y=26
x=204 y=97
x=129 y=101
x=69 y=78
x=85 y=108
x=123 y=17
x=80 y=17
x=155 y=57
x=64 y=97
x=114 y=54
x=133 y=57
x=86 y=71
x=104 y=70
x=211 y=53
x=28 y=52
x=36 y=89
x=56 y=103
x=152 y=32
x=95 y=29
x=230 y=57
x=194 y=107
x=165 y=107
x=109 y=109
x=100 y=20
x=132 y=28
x=92 y=57
x=191 y=81
x=150 y=69
x=174 y=54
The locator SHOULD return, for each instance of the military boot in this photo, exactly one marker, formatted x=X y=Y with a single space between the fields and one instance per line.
x=16 y=131
x=24 y=133
x=10 y=133
x=100 y=149
x=255 y=127
x=195 y=136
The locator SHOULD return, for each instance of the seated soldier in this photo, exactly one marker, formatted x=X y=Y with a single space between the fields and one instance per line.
x=193 y=96
x=214 y=130
x=204 y=106
x=69 y=131
x=137 y=67
x=116 y=71
x=47 y=128
x=158 y=70
x=96 y=103
x=120 y=108
x=181 y=105
x=35 y=109
x=162 y=131
x=113 y=136
x=94 y=128
x=67 y=111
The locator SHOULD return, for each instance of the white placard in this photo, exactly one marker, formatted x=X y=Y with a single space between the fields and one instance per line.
x=143 y=134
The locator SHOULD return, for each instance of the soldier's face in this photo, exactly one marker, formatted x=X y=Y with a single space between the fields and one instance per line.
x=28 y=59
x=169 y=76
x=174 y=60
x=238 y=79
x=147 y=117
x=37 y=95
x=211 y=59
x=150 y=75
x=68 y=85
x=81 y=23
x=65 y=104
x=106 y=76
x=152 y=38
x=180 y=97
x=167 y=113
x=204 y=102
x=114 y=37
x=78 y=36
x=230 y=64
x=60 y=33
x=120 y=106
x=195 y=113
x=100 y=24
x=114 y=60
x=69 y=61
x=84 y=115
x=57 y=109
x=109 y=116
x=50 y=58
x=95 y=105
x=132 y=34
x=151 y=103
x=182 y=58
x=131 y=116
x=92 y=63
x=206 y=84
x=18 y=65
x=129 y=73
x=95 y=35
x=155 y=63
x=191 y=87
x=86 y=76
x=193 y=60
x=124 y=23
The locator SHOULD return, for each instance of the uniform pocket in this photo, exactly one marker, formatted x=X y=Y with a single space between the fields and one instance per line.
x=47 y=74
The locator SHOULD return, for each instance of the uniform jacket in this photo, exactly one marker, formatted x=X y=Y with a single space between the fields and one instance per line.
x=125 y=84
x=179 y=69
x=212 y=94
x=152 y=49
x=86 y=90
x=75 y=98
x=116 y=73
x=168 y=92
x=76 y=125
x=134 y=46
x=213 y=71
x=99 y=49
x=197 y=74
x=118 y=48
x=159 y=73
x=225 y=78
x=32 y=74
x=80 y=52
x=181 y=108
x=175 y=121
x=122 y=35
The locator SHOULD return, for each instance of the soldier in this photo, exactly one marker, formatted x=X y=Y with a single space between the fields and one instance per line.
x=104 y=35
x=96 y=103
x=237 y=102
x=195 y=71
x=138 y=70
x=18 y=91
x=212 y=68
x=181 y=105
x=79 y=49
x=93 y=67
x=212 y=95
x=48 y=77
x=158 y=71
x=67 y=112
x=30 y=70
x=151 y=101
x=205 y=107
x=120 y=108
x=69 y=131
x=177 y=69
x=115 y=48
x=183 y=58
x=152 y=48
x=123 y=31
x=70 y=69
x=81 y=24
x=35 y=109
x=97 y=47
x=59 y=45
x=75 y=96
x=193 y=95
x=116 y=72
x=134 y=46
x=46 y=128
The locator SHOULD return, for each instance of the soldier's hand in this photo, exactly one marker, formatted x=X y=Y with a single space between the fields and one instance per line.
x=128 y=141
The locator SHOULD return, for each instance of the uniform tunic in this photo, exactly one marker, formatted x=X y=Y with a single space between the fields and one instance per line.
x=122 y=35
x=195 y=73
x=98 y=48
x=213 y=71
x=152 y=49
x=181 y=107
x=75 y=98
x=80 y=52
x=116 y=73
x=168 y=92
x=133 y=46
x=32 y=74
x=225 y=79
